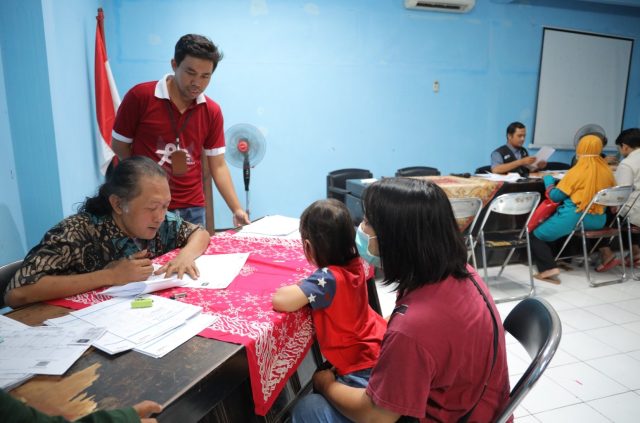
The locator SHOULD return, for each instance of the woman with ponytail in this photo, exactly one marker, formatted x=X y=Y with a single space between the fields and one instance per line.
x=111 y=240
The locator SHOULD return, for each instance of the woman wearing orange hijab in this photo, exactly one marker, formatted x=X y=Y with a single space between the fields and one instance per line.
x=574 y=192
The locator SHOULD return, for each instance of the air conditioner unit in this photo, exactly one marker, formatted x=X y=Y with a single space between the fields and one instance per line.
x=457 y=6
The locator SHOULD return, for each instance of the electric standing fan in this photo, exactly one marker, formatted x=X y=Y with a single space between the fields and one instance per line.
x=590 y=129
x=245 y=149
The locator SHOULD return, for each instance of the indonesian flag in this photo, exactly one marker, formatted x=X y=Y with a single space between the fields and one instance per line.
x=107 y=98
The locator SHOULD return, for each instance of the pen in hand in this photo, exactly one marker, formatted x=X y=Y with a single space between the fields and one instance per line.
x=139 y=255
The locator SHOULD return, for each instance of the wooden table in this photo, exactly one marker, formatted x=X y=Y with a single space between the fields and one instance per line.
x=190 y=381
x=203 y=378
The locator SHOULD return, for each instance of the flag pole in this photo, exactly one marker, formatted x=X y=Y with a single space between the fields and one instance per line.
x=106 y=97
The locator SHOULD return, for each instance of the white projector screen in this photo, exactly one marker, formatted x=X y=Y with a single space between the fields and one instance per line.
x=583 y=79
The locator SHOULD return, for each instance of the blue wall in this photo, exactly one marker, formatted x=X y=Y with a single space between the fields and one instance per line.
x=12 y=242
x=331 y=84
x=27 y=96
x=70 y=37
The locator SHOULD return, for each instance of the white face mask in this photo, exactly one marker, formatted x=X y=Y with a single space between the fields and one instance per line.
x=362 y=243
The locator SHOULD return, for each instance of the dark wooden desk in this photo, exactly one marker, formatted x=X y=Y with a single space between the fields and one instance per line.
x=202 y=380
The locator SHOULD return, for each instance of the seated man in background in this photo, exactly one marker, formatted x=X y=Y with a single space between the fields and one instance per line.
x=513 y=157
x=627 y=173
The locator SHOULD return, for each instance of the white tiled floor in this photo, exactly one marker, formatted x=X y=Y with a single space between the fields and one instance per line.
x=595 y=375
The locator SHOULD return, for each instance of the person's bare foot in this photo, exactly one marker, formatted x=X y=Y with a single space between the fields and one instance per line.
x=564 y=265
x=550 y=275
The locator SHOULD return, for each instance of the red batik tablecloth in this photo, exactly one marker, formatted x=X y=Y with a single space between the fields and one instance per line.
x=276 y=342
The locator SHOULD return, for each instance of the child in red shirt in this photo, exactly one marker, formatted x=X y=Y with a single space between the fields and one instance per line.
x=348 y=330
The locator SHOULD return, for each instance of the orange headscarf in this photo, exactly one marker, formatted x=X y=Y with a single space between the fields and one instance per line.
x=588 y=176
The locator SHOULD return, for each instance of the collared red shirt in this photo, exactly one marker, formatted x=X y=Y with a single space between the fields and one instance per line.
x=143 y=121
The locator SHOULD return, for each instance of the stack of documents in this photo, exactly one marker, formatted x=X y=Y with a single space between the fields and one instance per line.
x=26 y=350
x=154 y=331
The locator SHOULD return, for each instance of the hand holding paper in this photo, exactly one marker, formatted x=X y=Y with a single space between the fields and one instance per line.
x=542 y=157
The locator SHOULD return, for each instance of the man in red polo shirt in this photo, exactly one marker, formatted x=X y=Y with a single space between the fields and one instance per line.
x=173 y=122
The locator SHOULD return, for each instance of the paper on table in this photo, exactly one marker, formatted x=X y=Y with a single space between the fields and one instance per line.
x=138 y=325
x=11 y=380
x=108 y=342
x=7 y=324
x=166 y=343
x=217 y=271
x=8 y=381
x=157 y=347
x=557 y=174
x=275 y=225
x=153 y=284
x=44 y=350
x=542 y=155
x=509 y=177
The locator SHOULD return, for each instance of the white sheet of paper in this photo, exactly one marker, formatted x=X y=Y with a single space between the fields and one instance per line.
x=217 y=271
x=108 y=342
x=11 y=380
x=138 y=325
x=7 y=324
x=45 y=350
x=153 y=284
x=542 y=155
x=113 y=344
x=509 y=177
x=166 y=343
x=557 y=174
x=8 y=381
x=158 y=347
x=276 y=225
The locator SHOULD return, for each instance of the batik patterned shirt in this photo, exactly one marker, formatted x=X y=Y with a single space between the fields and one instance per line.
x=84 y=243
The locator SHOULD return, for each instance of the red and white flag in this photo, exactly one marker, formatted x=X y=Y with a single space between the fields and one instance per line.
x=107 y=98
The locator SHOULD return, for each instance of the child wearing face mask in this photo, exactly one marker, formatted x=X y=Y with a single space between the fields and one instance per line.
x=348 y=330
